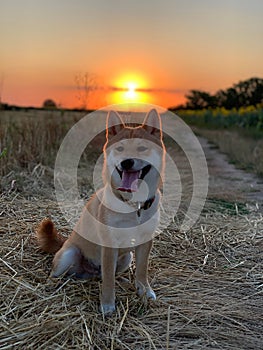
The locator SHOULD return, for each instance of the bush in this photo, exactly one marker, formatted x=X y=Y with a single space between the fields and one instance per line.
x=49 y=104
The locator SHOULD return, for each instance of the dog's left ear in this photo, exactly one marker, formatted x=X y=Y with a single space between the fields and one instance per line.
x=114 y=124
x=153 y=124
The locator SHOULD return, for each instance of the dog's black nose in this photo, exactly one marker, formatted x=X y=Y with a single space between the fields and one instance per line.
x=127 y=164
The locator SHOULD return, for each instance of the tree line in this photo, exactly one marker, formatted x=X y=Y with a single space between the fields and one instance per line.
x=245 y=93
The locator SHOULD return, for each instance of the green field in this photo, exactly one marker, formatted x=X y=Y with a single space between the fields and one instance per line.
x=248 y=120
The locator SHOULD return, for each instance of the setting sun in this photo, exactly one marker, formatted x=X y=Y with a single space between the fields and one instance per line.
x=131 y=91
x=130 y=88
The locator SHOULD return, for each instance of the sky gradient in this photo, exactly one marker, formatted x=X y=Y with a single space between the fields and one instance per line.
x=164 y=48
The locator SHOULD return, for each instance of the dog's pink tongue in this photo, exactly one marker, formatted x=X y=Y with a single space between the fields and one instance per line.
x=129 y=181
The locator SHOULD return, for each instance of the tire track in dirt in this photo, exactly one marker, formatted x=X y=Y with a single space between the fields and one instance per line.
x=228 y=182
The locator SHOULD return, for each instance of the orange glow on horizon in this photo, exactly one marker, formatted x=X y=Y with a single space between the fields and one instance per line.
x=129 y=88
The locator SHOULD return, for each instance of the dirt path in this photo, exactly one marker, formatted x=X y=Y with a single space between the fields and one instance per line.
x=228 y=182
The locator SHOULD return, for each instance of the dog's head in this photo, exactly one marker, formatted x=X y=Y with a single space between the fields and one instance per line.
x=134 y=155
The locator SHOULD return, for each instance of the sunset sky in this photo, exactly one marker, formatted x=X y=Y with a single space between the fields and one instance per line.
x=143 y=51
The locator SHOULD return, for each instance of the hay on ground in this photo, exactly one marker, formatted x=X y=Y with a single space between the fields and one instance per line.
x=208 y=283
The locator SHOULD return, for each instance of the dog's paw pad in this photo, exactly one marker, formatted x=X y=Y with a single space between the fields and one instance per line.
x=107 y=309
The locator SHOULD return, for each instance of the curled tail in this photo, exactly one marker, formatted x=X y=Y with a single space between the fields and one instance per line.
x=49 y=240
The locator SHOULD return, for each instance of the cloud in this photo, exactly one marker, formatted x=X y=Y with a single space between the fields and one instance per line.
x=117 y=88
x=149 y=90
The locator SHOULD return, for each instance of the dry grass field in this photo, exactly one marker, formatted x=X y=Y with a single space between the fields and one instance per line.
x=208 y=281
x=237 y=132
x=245 y=152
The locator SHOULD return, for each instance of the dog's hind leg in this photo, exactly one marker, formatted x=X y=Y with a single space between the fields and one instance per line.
x=124 y=262
x=67 y=260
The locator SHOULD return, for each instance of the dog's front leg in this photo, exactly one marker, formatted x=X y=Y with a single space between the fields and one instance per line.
x=108 y=266
x=142 y=253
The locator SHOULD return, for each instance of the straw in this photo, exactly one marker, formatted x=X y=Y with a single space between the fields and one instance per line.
x=208 y=283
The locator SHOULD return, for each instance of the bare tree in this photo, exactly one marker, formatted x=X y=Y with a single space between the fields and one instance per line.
x=86 y=84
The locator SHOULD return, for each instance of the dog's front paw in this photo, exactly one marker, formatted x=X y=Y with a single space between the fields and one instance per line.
x=150 y=294
x=107 y=309
x=145 y=290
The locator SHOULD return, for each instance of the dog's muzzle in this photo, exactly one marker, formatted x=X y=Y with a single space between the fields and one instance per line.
x=129 y=176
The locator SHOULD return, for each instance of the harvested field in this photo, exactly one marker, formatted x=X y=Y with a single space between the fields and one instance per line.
x=208 y=281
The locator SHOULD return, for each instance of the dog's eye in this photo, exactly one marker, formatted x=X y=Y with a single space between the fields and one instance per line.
x=142 y=149
x=119 y=149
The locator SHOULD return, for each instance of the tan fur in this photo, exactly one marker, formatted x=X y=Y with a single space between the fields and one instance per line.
x=82 y=255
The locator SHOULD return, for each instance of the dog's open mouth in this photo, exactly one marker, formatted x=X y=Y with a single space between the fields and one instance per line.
x=130 y=178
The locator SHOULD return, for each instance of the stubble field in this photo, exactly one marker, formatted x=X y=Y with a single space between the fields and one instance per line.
x=208 y=281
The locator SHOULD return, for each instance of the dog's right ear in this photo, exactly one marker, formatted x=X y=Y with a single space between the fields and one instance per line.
x=114 y=124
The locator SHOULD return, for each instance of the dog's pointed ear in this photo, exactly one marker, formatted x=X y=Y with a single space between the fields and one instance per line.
x=114 y=124
x=153 y=124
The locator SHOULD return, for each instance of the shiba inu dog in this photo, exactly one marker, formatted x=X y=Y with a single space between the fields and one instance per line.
x=120 y=217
